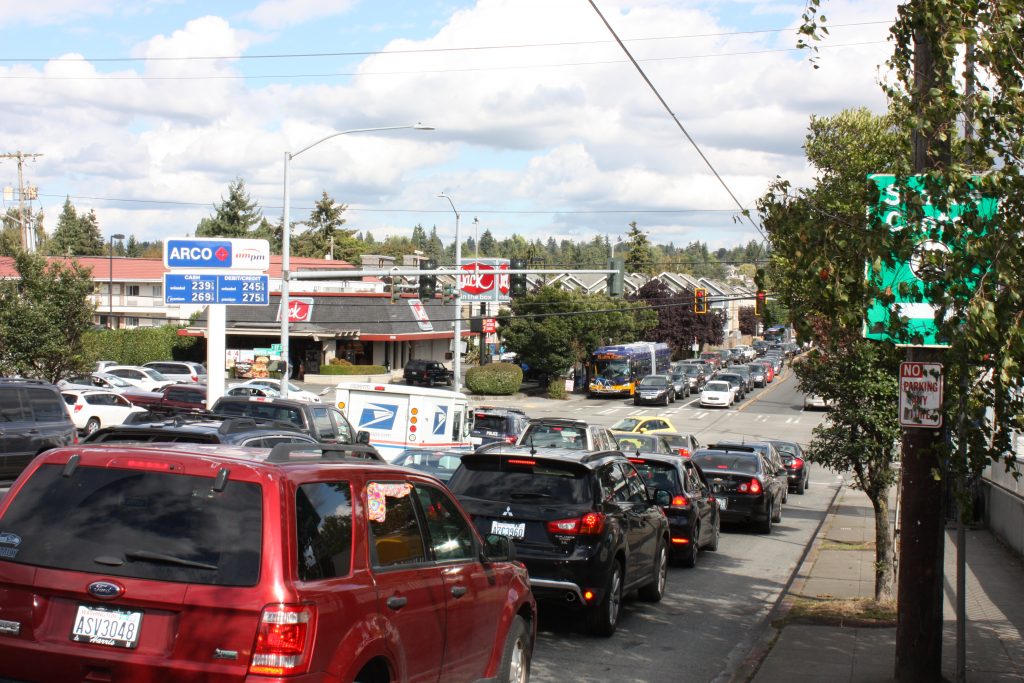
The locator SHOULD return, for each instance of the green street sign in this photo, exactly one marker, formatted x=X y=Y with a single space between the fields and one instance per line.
x=905 y=279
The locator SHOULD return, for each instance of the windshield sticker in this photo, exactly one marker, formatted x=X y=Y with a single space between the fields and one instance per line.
x=8 y=538
x=376 y=495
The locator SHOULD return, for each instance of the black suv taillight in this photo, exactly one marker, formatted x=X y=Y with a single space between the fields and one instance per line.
x=590 y=524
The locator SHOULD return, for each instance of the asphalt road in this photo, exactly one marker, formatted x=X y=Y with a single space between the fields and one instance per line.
x=711 y=615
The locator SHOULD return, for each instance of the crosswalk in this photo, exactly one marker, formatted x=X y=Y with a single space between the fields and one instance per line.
x=691 y=411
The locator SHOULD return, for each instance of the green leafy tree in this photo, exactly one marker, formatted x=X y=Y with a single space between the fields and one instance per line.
x=76 y=234
x=678 y=325
x=639 y=257
x=235 y=217
x=44 y=315
x=748 y=320
x=552 y=329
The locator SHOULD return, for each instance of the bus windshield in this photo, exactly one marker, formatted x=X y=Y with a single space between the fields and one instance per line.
x=616 y=370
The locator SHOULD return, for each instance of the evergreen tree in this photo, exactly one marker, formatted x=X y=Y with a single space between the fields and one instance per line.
x=234 y=217
x=76 y=235
x=639 y=258
x=419 y=237
x=435 y=247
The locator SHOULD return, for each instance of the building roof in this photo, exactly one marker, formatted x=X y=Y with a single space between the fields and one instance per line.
x=125 y=269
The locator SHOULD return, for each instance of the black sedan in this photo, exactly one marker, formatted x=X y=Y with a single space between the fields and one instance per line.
x=734 y=380
x=680 y=383
x=746 y=490
x=693 y=516
x=654 y=389
x=797 y=466
x=695 y=375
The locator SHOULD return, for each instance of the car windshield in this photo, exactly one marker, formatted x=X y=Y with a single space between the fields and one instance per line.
x=691 y=370
x=653 y=381
x=489 y=423
x=617 y=370
x=491 y=478
x=709 y=461
x=153 y=374
x=716 y=386
x=785 y=448
x=441 y=464
x=544 y=435
x=636 y=442
x=626 y=424
x=139 y=524
x=115 y=381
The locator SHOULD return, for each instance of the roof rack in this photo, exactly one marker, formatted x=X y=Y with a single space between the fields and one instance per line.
x=329 y=451
x=25 y=380
x=230 y=425
x=509 y=410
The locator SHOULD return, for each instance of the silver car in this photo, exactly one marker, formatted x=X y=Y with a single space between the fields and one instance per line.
x=182 y=372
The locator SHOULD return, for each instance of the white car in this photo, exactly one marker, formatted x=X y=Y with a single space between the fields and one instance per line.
x=717 y=393
x=817 y=402
x=91 y=409
x=294 y=392
x=144 y=378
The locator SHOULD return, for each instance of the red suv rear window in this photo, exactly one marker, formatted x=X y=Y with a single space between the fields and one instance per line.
x=139 y=524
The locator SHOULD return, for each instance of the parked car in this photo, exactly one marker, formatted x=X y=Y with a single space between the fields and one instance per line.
x=643 y=425
x=439 y=462
x=196 y=563
x=101 y=365
x=179 y=371
x=654 y=389
x=813 y=401
x=428 y=372
x=693 y=516
x=714 y=358
x=736 y=381
x=143 y=378
x=644 y=443
x=583 y=523
x=681 y=443
x=769 y=370
x=33 y=418
x=295 y=392
x=680 y=383
x=252 y=390
x=741 y=480
x=492 y=424
x=766 y=449
x=91 y=409
x=759 y=346
x=695 y=376
x=797 y=465
x=757 y=374
x=748 y=379
x=322 y=422
x=196 y=428
x=718 y=393
x=558 y=432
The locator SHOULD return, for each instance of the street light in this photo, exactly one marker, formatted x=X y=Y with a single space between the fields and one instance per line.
x=615 y=245
x=286 y=240
x=457 y=346
x=110 y=282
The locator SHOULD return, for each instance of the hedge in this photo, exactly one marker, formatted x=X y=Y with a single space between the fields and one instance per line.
x=495 y=379
x=352 y=370
x=138 y=345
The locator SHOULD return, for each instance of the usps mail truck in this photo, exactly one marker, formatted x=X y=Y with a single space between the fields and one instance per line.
x=399 y=416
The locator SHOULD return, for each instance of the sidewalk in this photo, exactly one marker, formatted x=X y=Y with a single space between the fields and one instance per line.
x=995 y=609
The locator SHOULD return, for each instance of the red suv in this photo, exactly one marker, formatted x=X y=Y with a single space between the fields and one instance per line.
x=191 y=562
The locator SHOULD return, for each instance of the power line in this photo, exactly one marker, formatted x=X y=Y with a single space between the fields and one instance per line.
x=425 y=50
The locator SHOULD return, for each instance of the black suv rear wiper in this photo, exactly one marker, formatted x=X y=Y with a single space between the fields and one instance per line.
x=151 y=556
x=525 y=494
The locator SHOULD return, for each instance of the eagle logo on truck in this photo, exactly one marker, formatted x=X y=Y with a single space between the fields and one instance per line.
x=378 y=416
x=440 y=420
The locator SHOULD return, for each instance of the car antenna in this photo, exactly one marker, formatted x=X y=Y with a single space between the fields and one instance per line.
x=533 y=449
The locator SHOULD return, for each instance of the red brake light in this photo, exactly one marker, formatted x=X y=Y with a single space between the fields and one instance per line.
x=283 y=640
x=519 y=461
x=589 y=524
x=78 y=407
x=684 y=452
x=639 y=461
x=798 y=463
x=753 y=487
x=680 y=501
x=592 y=523
x=194 y=378
x=510 y=439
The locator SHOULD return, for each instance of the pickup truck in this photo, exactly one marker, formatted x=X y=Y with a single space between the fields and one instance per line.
x=429 y=372
x=175 y=398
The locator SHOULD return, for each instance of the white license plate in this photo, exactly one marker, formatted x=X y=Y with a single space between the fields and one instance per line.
x=723 y=503
x=508 y=529
x=475 y=440
x=105 y=626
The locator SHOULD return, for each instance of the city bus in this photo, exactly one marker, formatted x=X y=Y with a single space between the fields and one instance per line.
x=779 y=333
x=615 y=370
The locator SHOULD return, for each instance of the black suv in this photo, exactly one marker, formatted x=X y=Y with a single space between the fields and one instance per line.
x=322 y=422
x=193 y=428
x=584 y=524
x=492 y=425
x=33 y=419
x=429 y=372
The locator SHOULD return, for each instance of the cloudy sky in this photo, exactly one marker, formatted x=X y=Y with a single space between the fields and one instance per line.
x=145 y=111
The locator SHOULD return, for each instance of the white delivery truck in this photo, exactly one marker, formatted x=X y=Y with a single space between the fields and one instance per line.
x=400 y=416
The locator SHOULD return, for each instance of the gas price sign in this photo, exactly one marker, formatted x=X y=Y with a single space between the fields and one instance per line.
x=202 y=288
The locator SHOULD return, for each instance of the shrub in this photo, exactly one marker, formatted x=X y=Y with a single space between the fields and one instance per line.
x=496 y=379
x=135 y=346
x=353 y=369
x=339 y=361
x=556 y=388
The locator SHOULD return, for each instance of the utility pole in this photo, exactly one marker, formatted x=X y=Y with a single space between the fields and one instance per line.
x=922 y=517
x=28 y=242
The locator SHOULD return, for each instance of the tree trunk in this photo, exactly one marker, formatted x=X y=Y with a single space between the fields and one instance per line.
x=883 y=548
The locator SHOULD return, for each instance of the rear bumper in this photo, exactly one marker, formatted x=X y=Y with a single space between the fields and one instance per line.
x=743 y=508
x=565 y=580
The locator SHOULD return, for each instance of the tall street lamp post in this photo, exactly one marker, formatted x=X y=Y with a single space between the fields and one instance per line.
x=457 y=345
x=615 y=245
x=110 y=282
x=286 y=241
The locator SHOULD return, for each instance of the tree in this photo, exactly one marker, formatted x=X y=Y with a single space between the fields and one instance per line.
x=821 y=231
x=488 y=245
x=324 y=235
x=10 y=231
x=678 y=325
x=748 y=320
x=76 y=235
x=552 y=329
x=234 y=217
x=44 y=315
x=639 y=258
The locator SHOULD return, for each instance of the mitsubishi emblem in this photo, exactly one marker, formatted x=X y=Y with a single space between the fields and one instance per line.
x=507 y=512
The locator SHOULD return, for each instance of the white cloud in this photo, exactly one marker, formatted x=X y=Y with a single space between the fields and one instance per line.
x=277 y=14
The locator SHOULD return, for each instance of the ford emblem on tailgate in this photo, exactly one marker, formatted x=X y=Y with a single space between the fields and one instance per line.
x=105 y=590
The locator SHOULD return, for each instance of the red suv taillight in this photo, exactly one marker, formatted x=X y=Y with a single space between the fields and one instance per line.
x=589 y=524
x=283 y=640
x=753 y=487
x=797 y=464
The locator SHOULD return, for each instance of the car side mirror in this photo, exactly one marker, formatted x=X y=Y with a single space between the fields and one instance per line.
x=662 y=498
x=363 y=437
x=498 y=548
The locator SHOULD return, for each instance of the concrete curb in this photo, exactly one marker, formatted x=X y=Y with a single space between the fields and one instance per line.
x=764 y=635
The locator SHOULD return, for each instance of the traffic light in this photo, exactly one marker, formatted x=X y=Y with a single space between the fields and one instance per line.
x=759 y=302
x=394 y=292
x=447 y=294
x=517 y=283
x=428 y=283
x=759 y=279
x=616 y=280
x=700 y=300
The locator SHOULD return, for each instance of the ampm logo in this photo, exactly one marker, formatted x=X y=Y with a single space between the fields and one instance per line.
x=440 y=420
x=378 y=416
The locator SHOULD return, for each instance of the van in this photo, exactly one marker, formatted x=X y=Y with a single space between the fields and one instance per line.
x=34 y=419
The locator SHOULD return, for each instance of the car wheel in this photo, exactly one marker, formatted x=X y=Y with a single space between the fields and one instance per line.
x=655 y=590
x=777 y=517
x=785 y=495
x=430 y=382
x=807 y=482
x=450 y=382
x=765 y=526
x=689 y=559
x=515 y=658
x=636 y=402
x=604 y=616
x=716 y=534
x=92 y=425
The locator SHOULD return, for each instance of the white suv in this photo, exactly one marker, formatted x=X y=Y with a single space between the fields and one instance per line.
x=546 y=432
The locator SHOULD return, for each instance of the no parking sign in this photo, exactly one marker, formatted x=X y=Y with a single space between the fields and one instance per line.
x=921 y=394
